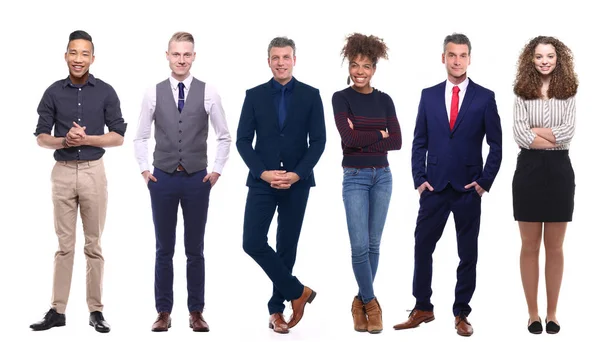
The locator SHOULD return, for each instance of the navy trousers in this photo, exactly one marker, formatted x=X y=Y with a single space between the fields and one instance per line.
x=260 y=208
x=166 y=194
x=435 y=207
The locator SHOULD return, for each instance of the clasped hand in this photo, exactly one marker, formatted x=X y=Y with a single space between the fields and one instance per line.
x=280 y=179
x=76 y=136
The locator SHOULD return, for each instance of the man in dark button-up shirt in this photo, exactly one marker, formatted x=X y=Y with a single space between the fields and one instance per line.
x=78 y=108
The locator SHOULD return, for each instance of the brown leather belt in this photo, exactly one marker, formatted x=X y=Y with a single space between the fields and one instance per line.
x=180 y=168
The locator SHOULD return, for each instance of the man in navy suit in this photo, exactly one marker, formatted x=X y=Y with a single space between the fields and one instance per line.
x=447 y=165
x=287 y=117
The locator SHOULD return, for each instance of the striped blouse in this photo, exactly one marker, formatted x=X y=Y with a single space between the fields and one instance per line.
x=559 y=115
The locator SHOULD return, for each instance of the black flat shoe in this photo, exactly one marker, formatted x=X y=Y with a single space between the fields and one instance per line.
x=51 y=319
x=535 y=327
x=97 y=321
x=552 y=327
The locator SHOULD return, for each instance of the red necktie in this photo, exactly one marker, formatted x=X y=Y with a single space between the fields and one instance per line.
x=454 y=106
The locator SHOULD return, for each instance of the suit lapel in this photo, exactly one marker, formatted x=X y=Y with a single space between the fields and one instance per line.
x=440 y=101
x=269 y=94
x=293 y=105
x=464 y=107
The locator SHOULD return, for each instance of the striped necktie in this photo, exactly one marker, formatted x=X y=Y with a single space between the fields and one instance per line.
x=181 y=98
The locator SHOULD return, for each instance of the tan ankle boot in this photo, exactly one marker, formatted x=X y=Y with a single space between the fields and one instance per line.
x=374 y=320
x=359 y=315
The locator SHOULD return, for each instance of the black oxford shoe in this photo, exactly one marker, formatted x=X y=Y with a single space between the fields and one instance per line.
x=97 y=321
x=51 y=319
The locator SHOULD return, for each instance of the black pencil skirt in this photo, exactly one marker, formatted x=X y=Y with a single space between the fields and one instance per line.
x=543 y=186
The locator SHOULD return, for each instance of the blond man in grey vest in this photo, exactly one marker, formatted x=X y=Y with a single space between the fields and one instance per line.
x=182 y=107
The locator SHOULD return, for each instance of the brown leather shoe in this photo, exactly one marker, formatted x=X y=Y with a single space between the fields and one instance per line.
x=278 y=324
x=298 y=306
x=415 y=319
x=375 y=322
x=197 y=322
x=162 y=323
x=462 y=325
x=359 y=315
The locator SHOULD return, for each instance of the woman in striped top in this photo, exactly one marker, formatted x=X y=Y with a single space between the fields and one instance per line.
x=544 y=182
x=366 y=120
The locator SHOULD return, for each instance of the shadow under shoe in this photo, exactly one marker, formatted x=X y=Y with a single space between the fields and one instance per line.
x=374 y=319
x=359 y=315
x=51 y=319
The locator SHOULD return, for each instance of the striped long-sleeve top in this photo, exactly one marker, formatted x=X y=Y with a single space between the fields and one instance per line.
x=558 y=115
x=364 y=146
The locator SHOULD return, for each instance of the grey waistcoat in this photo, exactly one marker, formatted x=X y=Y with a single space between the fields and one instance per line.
x=180 y=137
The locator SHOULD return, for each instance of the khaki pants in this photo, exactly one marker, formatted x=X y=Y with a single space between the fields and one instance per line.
x=78 y=184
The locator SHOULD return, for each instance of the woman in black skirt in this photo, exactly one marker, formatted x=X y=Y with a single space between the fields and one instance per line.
x=544 y=182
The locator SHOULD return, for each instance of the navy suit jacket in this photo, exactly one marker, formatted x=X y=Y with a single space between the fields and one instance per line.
x=441 y=156
x=295 y=147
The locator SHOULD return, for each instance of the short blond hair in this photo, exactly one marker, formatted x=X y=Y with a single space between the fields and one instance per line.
x=182 y=37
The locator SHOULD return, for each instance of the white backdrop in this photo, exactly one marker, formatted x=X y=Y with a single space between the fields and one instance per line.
x=231 y=44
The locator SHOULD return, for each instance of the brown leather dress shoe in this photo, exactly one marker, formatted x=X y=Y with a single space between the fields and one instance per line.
x=359 y=315
x=278 y=324
x=462 y=325
x=415 y=319
x=197 y=322
x=298 y=306
x=162 y=323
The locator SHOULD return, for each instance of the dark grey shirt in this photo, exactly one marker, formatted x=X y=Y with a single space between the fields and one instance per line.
x=93 y=105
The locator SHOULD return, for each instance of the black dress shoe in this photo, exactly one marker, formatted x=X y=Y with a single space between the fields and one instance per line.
x=97 y=321
x=51 y=319
x=552 y=327
x=535 y=327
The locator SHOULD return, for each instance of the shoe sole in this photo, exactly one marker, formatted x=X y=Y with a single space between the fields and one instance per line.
x=48 y=328
x=199 y=330
x=100 y=331
x=272 y=327
x=162 y=330
x=427 y=320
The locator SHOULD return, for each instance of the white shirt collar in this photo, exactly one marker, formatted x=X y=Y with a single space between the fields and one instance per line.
x=187 y=82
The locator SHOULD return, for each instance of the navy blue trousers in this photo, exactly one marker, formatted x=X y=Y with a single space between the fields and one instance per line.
x=435 y=207
x=260 y=208
x=166 y=194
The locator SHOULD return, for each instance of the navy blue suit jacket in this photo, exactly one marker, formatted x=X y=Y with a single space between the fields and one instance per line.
x=295 y=147
x=441 y=156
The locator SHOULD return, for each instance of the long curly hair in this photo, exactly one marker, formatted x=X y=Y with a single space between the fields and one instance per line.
x=371 y=47
x=563 y=80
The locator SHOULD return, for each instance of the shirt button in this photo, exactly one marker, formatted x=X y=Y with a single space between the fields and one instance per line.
x=79 y=104
x=79 y=89
x=179 y=121
x=179 y=150
x=78 y=150
x=179 y=131
x=179 y=140
x=79 y=119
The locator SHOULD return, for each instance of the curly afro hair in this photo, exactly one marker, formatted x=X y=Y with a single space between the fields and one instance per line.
x=563 y=80
x=371 y=47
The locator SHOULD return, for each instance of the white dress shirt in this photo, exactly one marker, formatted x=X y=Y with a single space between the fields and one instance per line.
x=216 y=115
x=461 y=94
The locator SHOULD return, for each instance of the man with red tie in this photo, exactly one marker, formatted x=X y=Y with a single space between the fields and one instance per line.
x=447 y=165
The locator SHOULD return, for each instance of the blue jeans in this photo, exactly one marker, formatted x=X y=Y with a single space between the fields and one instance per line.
x=366 y=193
